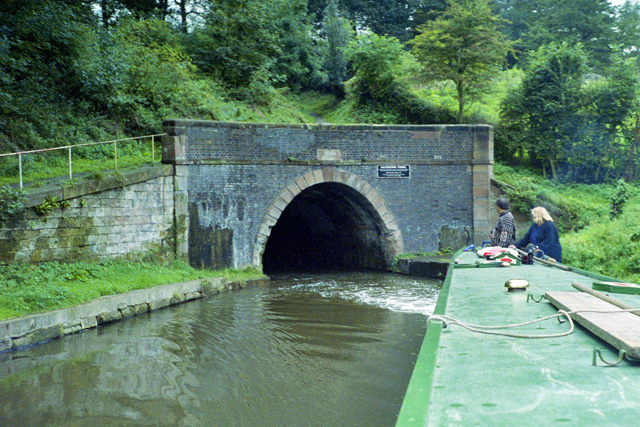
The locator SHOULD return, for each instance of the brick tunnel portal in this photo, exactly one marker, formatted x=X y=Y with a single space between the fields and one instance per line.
x=327 y=227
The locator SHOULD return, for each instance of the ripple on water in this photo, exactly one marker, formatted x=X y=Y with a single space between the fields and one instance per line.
x=304 y=350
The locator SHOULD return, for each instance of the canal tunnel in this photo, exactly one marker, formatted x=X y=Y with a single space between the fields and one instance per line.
x=327 y=227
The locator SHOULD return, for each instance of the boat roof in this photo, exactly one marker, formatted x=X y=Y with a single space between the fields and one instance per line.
x=464 y=378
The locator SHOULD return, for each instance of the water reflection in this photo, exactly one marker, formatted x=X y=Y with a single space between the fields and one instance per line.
x=303 y=351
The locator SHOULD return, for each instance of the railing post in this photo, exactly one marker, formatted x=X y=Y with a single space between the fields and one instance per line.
x=153 y=149
x=20 y=168
x=115 y=154
x=70 y=167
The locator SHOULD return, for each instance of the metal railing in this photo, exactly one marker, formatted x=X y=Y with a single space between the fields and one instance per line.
x=115 y=142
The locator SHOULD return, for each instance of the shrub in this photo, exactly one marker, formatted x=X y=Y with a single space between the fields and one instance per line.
x=618 y=198
x=10 y=203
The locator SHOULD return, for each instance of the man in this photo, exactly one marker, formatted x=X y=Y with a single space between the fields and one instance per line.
x=504 y=233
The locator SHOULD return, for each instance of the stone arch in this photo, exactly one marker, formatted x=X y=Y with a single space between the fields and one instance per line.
x=386 y=223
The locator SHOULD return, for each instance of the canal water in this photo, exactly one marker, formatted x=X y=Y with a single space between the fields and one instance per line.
x=314 y=350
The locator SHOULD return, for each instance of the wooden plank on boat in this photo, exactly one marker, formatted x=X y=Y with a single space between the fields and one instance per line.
x=617 y=287
x=621 y=330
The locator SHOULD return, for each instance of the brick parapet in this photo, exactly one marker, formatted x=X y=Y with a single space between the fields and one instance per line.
x=206 y=142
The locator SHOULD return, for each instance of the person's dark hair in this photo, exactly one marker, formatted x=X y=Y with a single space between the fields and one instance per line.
x=502 y=204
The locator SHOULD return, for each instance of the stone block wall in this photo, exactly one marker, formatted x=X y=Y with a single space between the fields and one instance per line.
x=118 y=217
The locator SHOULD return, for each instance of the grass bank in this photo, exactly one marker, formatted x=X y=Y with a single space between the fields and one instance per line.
x=28 y=289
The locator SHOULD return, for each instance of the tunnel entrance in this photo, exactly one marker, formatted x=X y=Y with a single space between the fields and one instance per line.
x=327 y=227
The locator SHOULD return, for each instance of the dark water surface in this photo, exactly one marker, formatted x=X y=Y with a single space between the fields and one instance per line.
x=315 y=350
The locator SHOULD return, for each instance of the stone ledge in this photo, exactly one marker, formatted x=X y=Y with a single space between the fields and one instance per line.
x=38 y=328
x=35 y=197
x=434 y=267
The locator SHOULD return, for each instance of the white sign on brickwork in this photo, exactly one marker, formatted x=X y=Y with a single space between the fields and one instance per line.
x=394 y=171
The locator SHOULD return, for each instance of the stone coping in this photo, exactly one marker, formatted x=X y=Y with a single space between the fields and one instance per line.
x=110 y=181
x=22 y=332
x=177 y=126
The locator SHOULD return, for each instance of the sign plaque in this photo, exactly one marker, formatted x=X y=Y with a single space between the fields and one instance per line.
x=394 y=171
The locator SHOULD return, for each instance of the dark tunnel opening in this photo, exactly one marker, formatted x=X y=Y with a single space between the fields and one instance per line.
x=327 y=227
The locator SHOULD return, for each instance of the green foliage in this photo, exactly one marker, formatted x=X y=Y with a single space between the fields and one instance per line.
x=253 y=46
x=338 y=34
x=50 y=203
x=299 y=66
x=590 y=239
x=567 y=121
x=380 y=90
x=41 y=75
x=550 y=95
x=627 y=24
x=27 y=289
x=463 y=45
x=378 y=64
x=159 y=78
x=10 y=203
x=618 y=198
x=394 y=18
x=534 y=24
x=575 y=205
x=607 y=247
x=91 y=162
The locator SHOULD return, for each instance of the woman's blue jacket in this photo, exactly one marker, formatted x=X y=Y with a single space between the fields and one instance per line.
x=545 y=237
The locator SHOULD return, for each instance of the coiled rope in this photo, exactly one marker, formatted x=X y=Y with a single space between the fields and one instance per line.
x=493 y=330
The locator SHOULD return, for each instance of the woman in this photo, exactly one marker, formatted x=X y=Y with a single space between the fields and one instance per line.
x=543 y=234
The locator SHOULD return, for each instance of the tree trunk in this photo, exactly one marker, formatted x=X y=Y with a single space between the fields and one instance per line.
x=106 y=12
x=182 y=6
x=629 y=170
x=460 y=90
x=554 y=172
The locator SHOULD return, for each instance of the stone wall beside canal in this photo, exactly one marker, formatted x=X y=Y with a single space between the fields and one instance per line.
x=37 y=328
x=120 y=216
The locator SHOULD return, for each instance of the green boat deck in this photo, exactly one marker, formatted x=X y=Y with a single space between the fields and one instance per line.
x=465 y=378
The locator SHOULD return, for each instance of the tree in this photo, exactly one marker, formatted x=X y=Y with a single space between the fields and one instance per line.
x=628 y=30
x=253 y=47
x=113 y=10
x=238 y=42
x=551 y=95
x=337 y=31
x=378 y=64
x=394 y=18
x=463 y=45
x=42 y=43
x=186 y=12
x=571 y=123
x=537 y=23
x=618 y=198
x=299 y=62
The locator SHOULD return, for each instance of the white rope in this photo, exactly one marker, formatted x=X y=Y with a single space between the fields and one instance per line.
x=482 y=329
